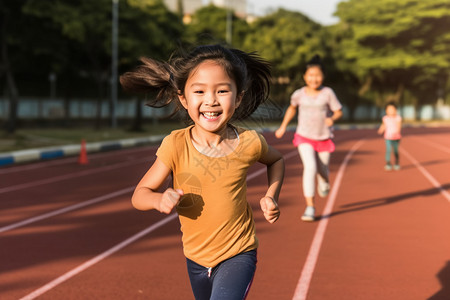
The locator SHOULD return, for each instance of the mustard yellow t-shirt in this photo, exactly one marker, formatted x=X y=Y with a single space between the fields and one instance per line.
x=216 y=219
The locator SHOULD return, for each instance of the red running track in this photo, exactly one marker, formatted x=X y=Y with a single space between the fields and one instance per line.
x=68 y=231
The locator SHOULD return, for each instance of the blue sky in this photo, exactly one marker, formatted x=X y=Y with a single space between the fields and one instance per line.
x=320 y=11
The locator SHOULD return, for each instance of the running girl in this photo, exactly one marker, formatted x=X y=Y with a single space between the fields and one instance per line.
x=209 y=161
x=313 y=134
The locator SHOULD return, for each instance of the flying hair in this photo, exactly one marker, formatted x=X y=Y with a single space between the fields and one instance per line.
x=162 y=82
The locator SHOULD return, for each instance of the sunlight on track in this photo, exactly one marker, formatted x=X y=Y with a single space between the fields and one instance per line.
x=68 y=160
x=433 y=144
x=427 y=175
x=69 y=176
x=308 y=269
x=98 y=258
x=66 y=209
x=118 y=247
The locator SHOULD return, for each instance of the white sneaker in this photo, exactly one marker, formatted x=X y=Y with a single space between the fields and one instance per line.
x=309 y=213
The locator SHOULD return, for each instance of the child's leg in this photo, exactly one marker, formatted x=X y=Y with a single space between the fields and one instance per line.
x=200 y=278
x=323 y=182
x=232 y=278
x=308 y=157
x=388 y=152
x=322 y=166
x=395 y=147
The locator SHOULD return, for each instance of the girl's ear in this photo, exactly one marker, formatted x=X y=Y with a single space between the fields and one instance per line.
x=239 y=98
x=182 y=99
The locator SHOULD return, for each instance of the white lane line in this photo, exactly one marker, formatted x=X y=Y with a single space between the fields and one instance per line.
x=433 y=144
x=97 y=259
x=70 y=176
x=427 y=175
x=103 y=198
x=302 y=288
x=118 y=247
x=66 y=209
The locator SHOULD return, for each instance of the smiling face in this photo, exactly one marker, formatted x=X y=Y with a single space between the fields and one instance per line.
x=210 y=97
x=391 y=110
x=313 y=77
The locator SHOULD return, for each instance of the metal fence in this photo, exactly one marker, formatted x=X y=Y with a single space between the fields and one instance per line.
x=34 y=108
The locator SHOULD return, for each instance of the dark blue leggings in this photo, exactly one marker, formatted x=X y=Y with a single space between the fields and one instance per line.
x=392 y=144
x=229 y=280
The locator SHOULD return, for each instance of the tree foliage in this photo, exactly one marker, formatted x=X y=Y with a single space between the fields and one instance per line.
x=209 y=25
x=398 y=44
x=380 y=50
x=287 y=40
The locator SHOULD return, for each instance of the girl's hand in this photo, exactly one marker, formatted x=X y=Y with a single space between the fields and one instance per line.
x=280 y=132
x=270 y=209
x=170 y=198
x=381 y=129
x=329 y=122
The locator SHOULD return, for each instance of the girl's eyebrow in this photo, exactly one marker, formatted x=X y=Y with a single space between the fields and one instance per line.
x=200 y=84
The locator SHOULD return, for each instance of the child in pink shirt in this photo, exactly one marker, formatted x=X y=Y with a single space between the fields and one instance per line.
x=391 y=126
x=318 y=108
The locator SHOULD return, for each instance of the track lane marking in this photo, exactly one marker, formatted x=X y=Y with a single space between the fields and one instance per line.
x=302 y=288
x=427 y=175
x=100 y=199
x=70 y=176
x=97 y=259
x=433 y=144
x=45 y=288
x=67 y=209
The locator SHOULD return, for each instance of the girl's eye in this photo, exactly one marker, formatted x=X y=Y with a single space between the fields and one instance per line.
x=223 y=91
x=198 y=92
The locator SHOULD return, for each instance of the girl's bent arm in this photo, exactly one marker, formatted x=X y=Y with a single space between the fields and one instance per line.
x=146 y=195
x=275 y=173
x=337 y=114
x=290 y=113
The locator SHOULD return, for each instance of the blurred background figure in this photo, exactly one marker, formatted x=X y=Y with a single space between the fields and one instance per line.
x=318 y=109
x=391 y=126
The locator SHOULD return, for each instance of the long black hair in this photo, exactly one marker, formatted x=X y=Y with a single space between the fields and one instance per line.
x=166 y=80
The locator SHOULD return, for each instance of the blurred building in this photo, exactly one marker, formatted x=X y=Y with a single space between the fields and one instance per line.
x=190 y=6
x=239 y=6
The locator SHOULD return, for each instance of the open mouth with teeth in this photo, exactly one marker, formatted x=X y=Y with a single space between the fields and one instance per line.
x=211 y=115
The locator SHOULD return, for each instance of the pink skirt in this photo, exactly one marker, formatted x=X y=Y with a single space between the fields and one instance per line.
x=319 y=146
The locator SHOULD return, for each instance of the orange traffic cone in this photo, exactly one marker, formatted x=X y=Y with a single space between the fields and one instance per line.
x=82 y=159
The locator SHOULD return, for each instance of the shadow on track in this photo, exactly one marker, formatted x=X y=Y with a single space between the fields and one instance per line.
x=444 y=278
x=368 y=204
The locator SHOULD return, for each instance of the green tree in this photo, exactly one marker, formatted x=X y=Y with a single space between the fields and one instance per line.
x=209 y=25
x=397 y=45
x=146 y=28
x=10 y=13
x=88 y=25
x=288 y=40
